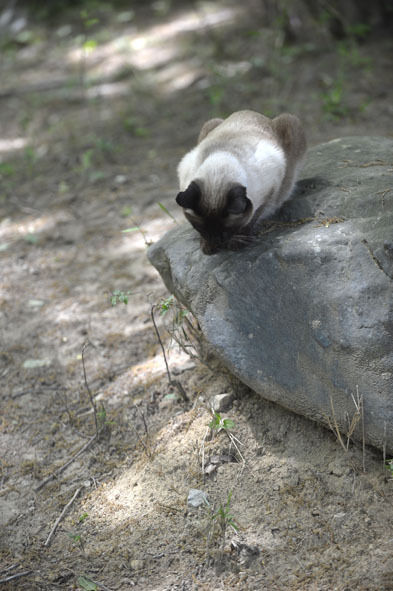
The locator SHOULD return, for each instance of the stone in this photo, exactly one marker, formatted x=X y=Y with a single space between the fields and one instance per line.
x=222 y=402
x=305 y=316
x=137 y=564
x=197 y=498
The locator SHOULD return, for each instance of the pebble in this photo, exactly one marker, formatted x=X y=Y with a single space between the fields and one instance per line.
x=137 y=564
x=222 y=402
x=196 y=498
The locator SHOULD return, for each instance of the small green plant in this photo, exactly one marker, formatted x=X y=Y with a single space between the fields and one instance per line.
x=220 y=521
x=141 y=231
x=166 y=305
x=31 y=238
x=77 y=539
x=218 y=423
x=86 y=159
x=216 y=95
x=131 y=124
x=350 y=54
x=86 y=584
x=102 y=419
x=83 y=517
x=333 y=101
x=168 y=213
x=358 y=30
x=126 y=211
x=6 y=169
x=389 y=466
x=223 y=516
x=119 y=297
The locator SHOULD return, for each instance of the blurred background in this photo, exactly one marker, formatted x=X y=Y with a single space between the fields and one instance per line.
x=84 y=80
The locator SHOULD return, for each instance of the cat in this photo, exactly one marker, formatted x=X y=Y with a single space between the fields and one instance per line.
x=241 y=171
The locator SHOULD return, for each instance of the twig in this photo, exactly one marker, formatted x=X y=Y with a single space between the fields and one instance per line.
x=92 y=401
x=233 y=440
x=145 y=447
x=335 y=427
x=202 y=451
x=172 y=382
x=363 y=434
x=64 y=466
x=358 y=402
x=5 y=570
x=144 y=423
x=384 y=445
x=54 y=528
x=101 y=585
x=6 y=579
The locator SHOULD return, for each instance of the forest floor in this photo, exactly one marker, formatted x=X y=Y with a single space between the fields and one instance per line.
x=94 y=116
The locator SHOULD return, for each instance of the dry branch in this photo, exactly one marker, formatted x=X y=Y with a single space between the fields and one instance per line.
x=54 y=528
x=172 y=382
x=64 y=466
x=16 y=576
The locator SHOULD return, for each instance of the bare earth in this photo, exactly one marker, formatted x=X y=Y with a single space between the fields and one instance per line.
x=89 y=143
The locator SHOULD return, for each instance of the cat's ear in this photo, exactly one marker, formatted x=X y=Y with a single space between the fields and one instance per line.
x=189 y=198
x=237 y=200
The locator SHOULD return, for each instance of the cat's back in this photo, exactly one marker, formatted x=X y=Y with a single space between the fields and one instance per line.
x=239 y=134
x=248 y=124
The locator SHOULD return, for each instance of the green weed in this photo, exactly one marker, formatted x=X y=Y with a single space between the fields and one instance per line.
x=132 y=125
x=77 y=539
x=83 y=517
x=138 y=228
x=126 y=211
x=6 y=169
x=218 y=423
x=86 y=584
x=224 y=518
x=333 y=103
x=167 y=304
x=119 y=297
x=168 y=213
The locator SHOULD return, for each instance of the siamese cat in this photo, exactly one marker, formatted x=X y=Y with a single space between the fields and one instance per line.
x=241 y=171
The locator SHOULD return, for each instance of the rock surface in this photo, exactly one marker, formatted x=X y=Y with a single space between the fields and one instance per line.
x=305 y=316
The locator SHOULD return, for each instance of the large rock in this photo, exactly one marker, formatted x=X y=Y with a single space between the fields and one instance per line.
x=305 y=316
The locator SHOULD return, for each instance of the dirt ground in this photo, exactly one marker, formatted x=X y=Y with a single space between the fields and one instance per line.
x=96 y=110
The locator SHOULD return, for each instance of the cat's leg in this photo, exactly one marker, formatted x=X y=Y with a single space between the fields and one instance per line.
x=208 y=127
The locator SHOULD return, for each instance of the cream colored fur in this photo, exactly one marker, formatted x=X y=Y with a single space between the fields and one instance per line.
x=261 y=154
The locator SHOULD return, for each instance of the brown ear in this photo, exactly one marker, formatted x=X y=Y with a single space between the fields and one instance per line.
x=190 y=197
x=237 y=200
x=208 y=127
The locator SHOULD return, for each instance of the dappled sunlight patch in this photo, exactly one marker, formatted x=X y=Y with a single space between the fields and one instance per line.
x=32 y=225
x=156 y=47
x=155 y=483
x=179 y=76
x=13 y=144
x=139 y=237
x=152 y=369
x=108 y=89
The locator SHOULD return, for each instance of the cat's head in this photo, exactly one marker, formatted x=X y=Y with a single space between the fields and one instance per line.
x=218 y=218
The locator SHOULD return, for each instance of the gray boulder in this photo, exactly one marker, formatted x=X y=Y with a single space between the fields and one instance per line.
x=305 y=316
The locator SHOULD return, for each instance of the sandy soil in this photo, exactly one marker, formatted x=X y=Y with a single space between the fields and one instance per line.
x=94 y=118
